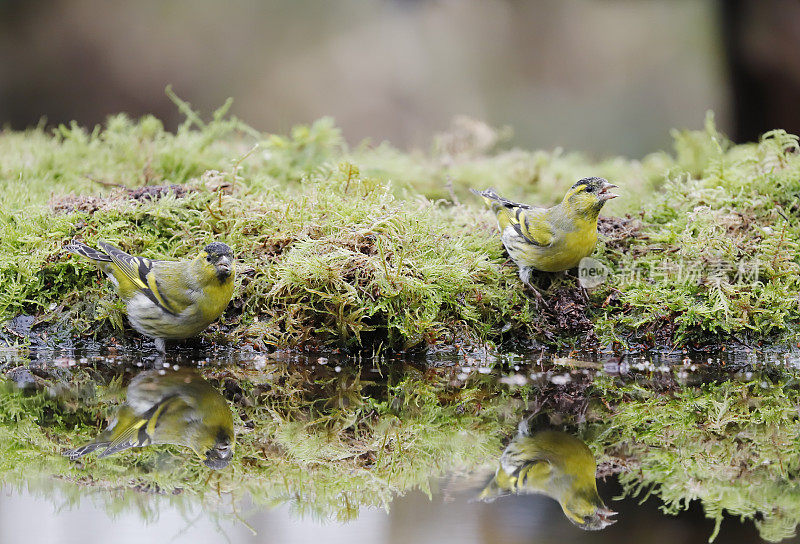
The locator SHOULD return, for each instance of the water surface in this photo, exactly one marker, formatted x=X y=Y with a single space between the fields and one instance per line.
x=397 y=449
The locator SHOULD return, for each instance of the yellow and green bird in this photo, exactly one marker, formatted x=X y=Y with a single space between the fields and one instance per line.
x=179 y=407
x=168 y=300
x=555 y=464
x=551 y=239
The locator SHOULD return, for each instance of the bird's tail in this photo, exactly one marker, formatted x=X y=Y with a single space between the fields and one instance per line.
x=79 y=248
x=491 y=492
x=502 y=208
x=497 y=202
x=83 y=450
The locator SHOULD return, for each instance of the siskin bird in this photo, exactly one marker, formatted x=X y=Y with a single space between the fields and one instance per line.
x=175 y=408
x=168 y=300
x=551 y=239
x=555 y=464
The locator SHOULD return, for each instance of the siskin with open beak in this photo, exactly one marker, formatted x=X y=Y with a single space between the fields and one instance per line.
x=551 y=239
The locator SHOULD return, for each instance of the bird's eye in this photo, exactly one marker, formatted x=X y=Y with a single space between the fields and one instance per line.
x=210 y=259
x=589 y=188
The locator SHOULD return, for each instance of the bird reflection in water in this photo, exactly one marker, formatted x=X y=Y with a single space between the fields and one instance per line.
x=176 y=407
x=553 y=463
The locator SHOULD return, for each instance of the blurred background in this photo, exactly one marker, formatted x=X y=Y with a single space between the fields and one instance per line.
x=605 y=77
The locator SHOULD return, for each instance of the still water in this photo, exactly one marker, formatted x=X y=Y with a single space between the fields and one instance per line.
x=449 y=447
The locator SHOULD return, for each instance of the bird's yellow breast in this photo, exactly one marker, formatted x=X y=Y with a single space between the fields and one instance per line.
x=564 y=253
x=216 y=299
x=579 y=243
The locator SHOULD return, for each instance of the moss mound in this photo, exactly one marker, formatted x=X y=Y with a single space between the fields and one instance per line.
x=374 y=248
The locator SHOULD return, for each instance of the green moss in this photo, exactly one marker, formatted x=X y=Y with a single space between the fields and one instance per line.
x=374 y=248
x=718 y=251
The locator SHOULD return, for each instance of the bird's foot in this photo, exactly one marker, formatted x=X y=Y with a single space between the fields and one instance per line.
x=538 y=298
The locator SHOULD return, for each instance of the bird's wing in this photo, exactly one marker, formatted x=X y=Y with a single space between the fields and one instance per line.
x=534 y=475
x=173 y=422
x=140 y=272
x=123 y=420
x=532 y=224
x=135 y=431
x=127 y=432
x=131 y=437
x=501 y=485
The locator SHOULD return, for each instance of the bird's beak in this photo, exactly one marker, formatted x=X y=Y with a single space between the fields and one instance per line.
x=218 y=458
x=224 y=264
x=605 y=514
x=604 y=194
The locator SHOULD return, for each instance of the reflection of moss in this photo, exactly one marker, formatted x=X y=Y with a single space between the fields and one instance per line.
x=332 y=447
x=732 y=446
x=328 y=442
x=364 y=248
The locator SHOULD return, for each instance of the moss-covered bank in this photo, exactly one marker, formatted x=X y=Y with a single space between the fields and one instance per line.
x=373 y=248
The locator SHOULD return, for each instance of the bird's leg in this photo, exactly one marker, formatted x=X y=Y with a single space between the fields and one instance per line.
x=525 y=275
x=539 y=299
x=563 y=277
x=161 y=346
x=154 y=361
x=524 y=427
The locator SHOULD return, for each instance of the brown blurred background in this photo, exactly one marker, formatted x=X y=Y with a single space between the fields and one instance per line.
x=607 y=77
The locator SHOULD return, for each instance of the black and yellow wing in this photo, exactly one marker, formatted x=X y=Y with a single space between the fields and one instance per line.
x=140 y=273
x=130 y=430
x=126 y=431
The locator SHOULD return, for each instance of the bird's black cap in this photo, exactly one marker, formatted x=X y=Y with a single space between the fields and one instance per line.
x=594 y=183
x=218 y=248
